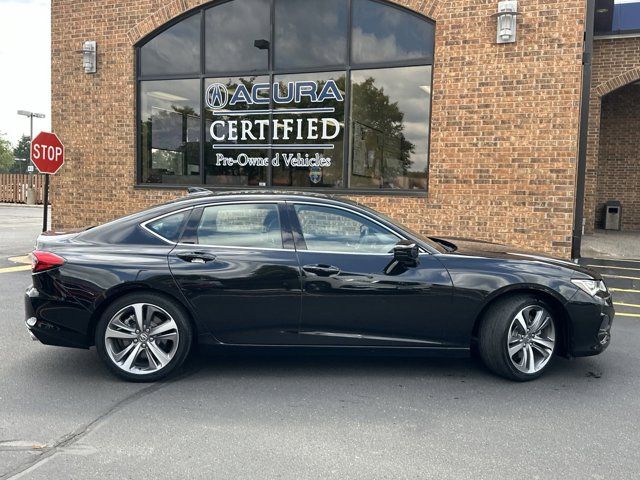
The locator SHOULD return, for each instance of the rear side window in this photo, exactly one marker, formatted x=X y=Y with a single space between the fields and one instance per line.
x=241 y=225
x=169 y=227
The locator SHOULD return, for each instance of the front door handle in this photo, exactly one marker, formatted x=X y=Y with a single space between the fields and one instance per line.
x=322 y=270
x=196 y=257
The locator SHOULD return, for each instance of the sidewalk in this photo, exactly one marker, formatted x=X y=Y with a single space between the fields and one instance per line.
x=611 y=244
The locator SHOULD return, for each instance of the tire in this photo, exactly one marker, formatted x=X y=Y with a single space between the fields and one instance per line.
x=143 y=354
x=511 y=343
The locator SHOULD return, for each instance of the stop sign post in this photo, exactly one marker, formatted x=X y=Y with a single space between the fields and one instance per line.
x=47 y=154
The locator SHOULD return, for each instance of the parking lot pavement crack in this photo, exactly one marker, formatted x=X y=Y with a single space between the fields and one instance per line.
x=70 y=438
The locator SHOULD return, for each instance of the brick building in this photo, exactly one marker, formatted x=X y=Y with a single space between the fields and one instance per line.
x=413 y=107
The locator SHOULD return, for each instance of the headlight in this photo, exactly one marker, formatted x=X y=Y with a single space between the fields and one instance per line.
x=592 y=287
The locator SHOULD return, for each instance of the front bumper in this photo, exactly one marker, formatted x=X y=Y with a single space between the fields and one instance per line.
x=590 y=325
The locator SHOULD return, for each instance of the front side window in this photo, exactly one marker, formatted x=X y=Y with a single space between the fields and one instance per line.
x=288 y=94
x=327 y=229
x=241 y=225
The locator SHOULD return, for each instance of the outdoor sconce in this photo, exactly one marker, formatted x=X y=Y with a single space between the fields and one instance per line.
x=507 y=12
x=89 y=56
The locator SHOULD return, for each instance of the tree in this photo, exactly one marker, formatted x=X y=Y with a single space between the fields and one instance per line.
x=22 y=151
x=373 y=109
x=6 y=155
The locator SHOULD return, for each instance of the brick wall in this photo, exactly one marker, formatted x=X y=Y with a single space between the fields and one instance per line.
x=504 y=119
x=619 y=156
x=616 y=63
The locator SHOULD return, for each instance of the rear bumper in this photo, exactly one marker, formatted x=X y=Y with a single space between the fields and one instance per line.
x=55 y=321
x=591 y=322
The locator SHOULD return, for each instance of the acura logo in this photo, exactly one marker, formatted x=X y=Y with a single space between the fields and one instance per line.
x=216 y=96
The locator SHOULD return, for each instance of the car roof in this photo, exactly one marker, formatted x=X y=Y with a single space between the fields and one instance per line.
x=200 y=195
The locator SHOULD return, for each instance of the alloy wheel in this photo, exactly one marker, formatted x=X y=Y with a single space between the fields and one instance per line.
x=141 y=338
x=531 y=339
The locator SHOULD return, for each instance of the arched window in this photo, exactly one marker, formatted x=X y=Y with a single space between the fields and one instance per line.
x=287 y=93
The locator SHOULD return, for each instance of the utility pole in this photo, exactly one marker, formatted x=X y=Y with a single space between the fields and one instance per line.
x=26 y=113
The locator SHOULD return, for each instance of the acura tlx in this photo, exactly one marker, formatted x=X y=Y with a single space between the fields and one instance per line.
x=267 y=270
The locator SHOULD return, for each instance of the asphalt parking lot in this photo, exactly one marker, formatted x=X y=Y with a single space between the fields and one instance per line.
x=62 y=415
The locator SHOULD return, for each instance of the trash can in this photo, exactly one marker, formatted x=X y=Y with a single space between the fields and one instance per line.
x=612 y=215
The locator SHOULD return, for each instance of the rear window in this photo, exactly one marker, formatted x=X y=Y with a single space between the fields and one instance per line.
x=169 y=227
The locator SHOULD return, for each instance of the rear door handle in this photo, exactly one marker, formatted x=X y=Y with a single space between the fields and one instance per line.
x=321 y=270
x=196 y=257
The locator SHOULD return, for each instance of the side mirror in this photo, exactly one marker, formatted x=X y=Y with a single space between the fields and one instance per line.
x=406 y=253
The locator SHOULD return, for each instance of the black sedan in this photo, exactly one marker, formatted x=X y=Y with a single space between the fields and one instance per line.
x=256 y=269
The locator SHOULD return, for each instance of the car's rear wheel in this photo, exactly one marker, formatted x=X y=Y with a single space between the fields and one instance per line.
x=143 y=337
x=517 y=337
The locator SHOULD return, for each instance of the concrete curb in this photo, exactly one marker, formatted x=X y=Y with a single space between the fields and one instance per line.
x=21 y=205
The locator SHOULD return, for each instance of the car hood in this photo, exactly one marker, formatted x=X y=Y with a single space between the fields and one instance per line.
x=479 y=248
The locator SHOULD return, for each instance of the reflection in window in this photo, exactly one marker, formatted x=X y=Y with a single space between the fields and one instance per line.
x=169 y=227
x=255 y=134
x=242 y=225
x=176 y=50
x=382 y=33
x=231 y=158
x=233 y=30
x=316 y=128
x=389 y=127
x=333 y=230
x=309 y=33
x=170 y=131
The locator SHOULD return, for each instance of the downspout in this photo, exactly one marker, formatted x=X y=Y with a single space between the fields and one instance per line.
x=578 y=212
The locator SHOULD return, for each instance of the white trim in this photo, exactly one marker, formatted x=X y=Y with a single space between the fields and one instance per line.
x=223 y=202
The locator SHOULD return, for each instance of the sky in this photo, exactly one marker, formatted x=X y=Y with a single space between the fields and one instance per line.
x=25 y=66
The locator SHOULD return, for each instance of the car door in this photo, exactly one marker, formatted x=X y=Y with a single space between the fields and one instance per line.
x=352 y=292
x=236 y=267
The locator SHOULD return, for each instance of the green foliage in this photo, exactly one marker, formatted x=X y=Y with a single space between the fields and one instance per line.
x=6 y=156
x=23 y=151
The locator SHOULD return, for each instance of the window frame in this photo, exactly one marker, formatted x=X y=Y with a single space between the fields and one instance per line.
x=271 y=72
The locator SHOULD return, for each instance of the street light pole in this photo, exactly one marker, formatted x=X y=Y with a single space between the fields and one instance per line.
x=26 y=113
x=30 y=140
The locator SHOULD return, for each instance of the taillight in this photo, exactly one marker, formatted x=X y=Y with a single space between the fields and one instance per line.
x=41 y=261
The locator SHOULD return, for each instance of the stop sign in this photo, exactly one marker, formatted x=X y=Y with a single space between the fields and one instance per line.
x=47 y=152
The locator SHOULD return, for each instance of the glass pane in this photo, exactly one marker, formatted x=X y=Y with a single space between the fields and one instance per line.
x=237 y=145
x=390 y=128
x=241 y=226
x=232 y=31
x=169 y=227
x=170 y=129
x=308 y=130
x=174 y=51
x=626 y=16
x=382 y=33
x=309 y=33
x=328 y=229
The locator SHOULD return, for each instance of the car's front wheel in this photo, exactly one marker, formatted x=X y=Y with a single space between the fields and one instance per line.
x=143 y=337
x=517 y=337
